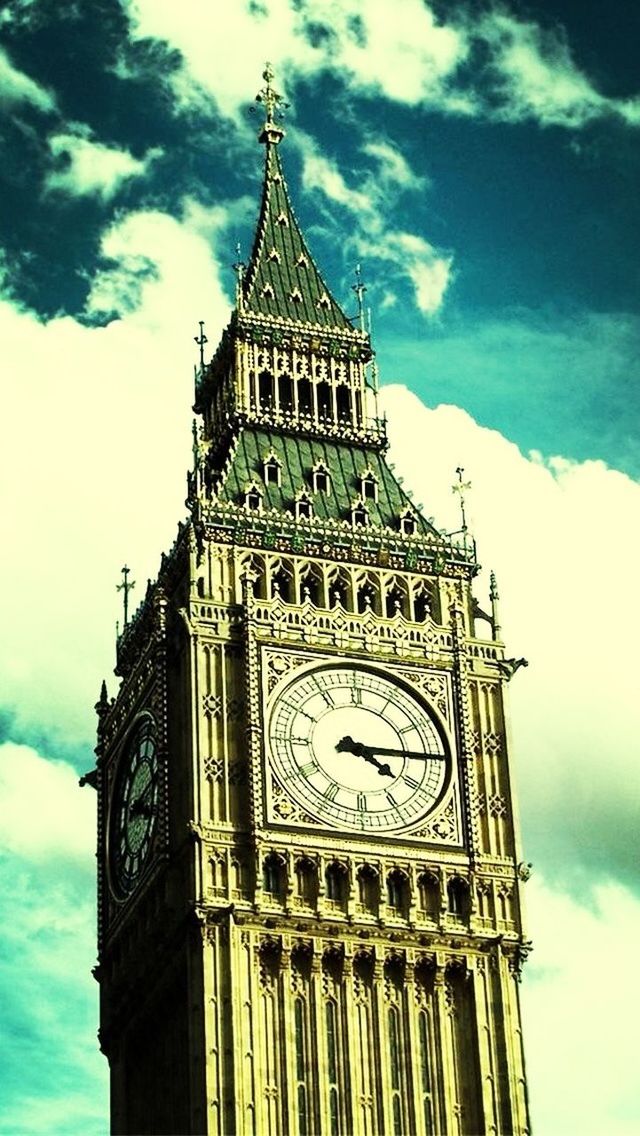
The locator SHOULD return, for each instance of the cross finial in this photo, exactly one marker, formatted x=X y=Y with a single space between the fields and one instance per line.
x=125 y=587
x=201 y=340
x=359 y=288
x=462 y=487
x=273 y=104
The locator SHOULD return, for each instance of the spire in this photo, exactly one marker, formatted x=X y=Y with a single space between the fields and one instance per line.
x=271 y=132
x=281 y=280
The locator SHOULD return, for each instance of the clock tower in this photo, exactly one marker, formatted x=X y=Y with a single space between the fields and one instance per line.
x=308 y=862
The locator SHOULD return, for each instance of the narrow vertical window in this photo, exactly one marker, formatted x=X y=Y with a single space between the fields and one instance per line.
x=332 y=1068
x=301 y=1065
x=395 y=1070
x=425 y=1070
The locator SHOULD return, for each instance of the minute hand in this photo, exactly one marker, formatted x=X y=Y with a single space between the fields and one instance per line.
x=385 y=752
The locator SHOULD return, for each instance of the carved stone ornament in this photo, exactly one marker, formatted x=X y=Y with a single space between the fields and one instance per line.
x=279 y=665
x=434 y=686
x=445 y=827
x=213 y=768
x=497 y=805
x=212 y=705
x=285 y=809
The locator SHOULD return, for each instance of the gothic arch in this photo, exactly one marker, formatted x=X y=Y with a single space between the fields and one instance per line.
x=396 y=598
x=398 y=891
x=282 y=581
x=340 y=589
x=368 y=593
x=311 y=584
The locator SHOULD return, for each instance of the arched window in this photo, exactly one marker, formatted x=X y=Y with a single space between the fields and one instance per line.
x=395 y=1069
x=395 y=601
x=369 y=487
x=324 y=399
x=304 y=507
x=368 y=888
x=339 y=591
x=407 y=523
x=422 y=606
x=285 y=393
x=336 y=882
x=320 y=479
x=265 y=390
x=253 y=498
x=359 y=516
x=282 y=584
x=458 y=897
x=305 y=402
x=429 y=893
x=398 y=891
x=271 y=470
x=311 y=587
x=343 y=403
x=366 y=596
x=307 y=879
x=273 y=875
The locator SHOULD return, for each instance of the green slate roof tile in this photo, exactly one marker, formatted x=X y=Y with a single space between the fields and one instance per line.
x=298 y=456
x=282 y=274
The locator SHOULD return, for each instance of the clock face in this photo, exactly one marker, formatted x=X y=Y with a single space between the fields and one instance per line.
x=358 y=749
x=134 y=808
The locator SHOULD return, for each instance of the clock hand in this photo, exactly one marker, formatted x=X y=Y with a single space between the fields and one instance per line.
x=406 y=753
x=142 y=806
x=359 y=749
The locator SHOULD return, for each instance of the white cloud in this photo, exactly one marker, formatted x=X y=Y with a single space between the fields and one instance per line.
x=428 y=270
x=107 y=412
x=538 y=78
x=580 y=1012
x=394 y=169
x=402 y=52
x=42 y=810
x=16 y=87
x=87 y=167
x=394 y=48
x=319 y=172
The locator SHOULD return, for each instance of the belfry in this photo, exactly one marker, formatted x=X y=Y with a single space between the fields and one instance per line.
x=308 y=858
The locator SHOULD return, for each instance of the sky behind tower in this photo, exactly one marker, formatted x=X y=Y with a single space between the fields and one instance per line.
x=480 y=161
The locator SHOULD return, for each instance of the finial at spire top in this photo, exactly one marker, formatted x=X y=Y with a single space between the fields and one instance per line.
x=273 y=103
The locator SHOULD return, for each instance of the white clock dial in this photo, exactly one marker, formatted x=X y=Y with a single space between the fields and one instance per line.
x=134 y=808
x=357 y=749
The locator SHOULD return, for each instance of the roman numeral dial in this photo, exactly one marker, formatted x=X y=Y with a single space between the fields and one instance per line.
x=358 y=748
x=133 y=808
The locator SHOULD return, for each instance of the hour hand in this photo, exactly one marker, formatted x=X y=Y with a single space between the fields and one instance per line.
x=347 y=745
x=142 y=806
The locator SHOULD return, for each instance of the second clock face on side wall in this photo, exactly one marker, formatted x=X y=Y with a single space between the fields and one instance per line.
x=357 y=749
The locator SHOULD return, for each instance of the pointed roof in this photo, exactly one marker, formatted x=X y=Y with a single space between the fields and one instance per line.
x=282 y=280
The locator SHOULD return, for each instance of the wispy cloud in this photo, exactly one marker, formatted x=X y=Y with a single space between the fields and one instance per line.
x=85 y=167
x=16 y=87
x=533 y=74
x=399 y=49
x=408 y=255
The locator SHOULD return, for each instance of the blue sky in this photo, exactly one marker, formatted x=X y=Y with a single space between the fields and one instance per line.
x=481 y=162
